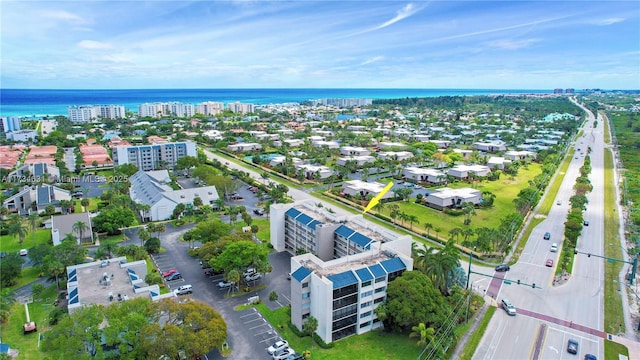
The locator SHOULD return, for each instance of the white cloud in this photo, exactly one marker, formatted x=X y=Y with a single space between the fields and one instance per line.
x=511 y=44
x=63 y=16
x=94 y=45
x=372 y=60
x=401 y=14
x=608 y=21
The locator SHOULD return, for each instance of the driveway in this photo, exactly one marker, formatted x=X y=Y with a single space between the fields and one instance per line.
x=247 y=337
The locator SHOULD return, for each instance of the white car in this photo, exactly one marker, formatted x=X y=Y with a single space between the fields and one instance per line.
x=554 y=247
x=283 y=354
x=277 y=346
x=23 y=252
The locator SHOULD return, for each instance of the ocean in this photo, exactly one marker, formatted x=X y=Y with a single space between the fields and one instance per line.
x=36 y=103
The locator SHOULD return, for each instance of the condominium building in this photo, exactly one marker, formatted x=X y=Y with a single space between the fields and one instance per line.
x=210 y=108
x=157 y=110
x=89 y=113
x=10 y=123
x=239 y=107
x=345 y=268
x=154 y=157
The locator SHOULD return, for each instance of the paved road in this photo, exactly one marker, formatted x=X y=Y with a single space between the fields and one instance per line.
x=247 y=333
x=574 y=309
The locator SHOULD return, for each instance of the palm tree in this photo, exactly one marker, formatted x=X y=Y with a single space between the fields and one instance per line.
x=469 y=209
x=79 y=227
x=427 y=227
x=455 y=233
x=219 y=203
x=466 y=233
x=423 y=333
x=412 y=219
x=33 y=224
x=422 y=254
x=234 y=277
x=264 y=175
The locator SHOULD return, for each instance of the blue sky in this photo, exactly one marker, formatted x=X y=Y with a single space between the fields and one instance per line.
x=325 y=44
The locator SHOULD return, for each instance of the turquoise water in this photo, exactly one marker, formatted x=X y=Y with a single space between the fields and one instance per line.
x=268 y=156
x=30 y=102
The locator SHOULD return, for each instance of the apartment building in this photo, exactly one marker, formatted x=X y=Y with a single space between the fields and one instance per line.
x=154 y=157
x=10 y=123
x=345 y=268
x=89 y=113
x=242 y=108
x=157 y=110
x=210 y=108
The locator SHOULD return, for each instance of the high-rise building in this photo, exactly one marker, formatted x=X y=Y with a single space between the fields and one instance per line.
x=154 y=157
x=158 y=110
x=10 y=123
x=570 y=91
x=239 y=107
x=210 y=108
x=558 y=91
x=345 y=269
x=90 y=113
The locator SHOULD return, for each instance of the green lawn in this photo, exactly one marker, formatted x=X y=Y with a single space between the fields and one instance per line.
x=93 y=205
x=612 y=349
x=10 y=244
x=11 y=331
x=372 y=345
x=505 y=189
x=613 y=315
x=474 y=339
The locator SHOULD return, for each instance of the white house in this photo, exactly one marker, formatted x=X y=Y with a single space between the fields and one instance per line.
x=441 y=144
x=463 y=171
x=360 y=160
x=388 y=145
x=62 y=225
x=519 y=155
x=363 y=188
x=42 y=195
x=281 y=159
x=327 y=144
x=489 y=147
x=497 y=162
x=447 y=198
x=466 y=154
x=311 y=170
x=424 y=175
x=354 y=151
x=289 y=142
x=396 y=155
x=239 y=147
x=150 y=188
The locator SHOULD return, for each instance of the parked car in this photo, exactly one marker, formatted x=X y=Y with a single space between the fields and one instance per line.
x=253 y=277
x=559 y=202
x=211 y=272
x=508 y=307
x=549 y=263
x=418 y=187
x=502 y=267
x=259 y=212
x=586 y=223
x=169 y=273
x=224 y=284
x=547 y=235
x=590 y=357
x=184 y=289
x=278 y=345
x=572 y=346
x=174 y=276
x=23 y=252
x=296 y=356
x=283 y=354
x=410 y=185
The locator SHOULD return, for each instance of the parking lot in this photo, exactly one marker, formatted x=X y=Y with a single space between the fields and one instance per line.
x=166 y=263
x=261 y=331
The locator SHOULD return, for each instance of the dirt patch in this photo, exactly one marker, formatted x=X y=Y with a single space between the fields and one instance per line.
x=561 y=279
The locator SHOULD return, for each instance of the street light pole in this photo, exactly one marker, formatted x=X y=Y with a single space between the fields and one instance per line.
x=469 y=270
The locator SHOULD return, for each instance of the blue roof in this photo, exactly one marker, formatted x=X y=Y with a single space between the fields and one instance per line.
x=343 y=279
x=361 y=240
x=301 y=273
x=292 y=212
x=73 y=296
x=364 y=274
x=43 y=195
x=377 y=270
x=303 y=218
x=344 y=231
x=393 y=264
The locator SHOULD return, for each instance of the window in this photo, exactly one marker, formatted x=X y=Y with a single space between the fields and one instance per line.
x=367 y=293
x=306 y=305
x=366 y=283
x=306 y=295
x=365 y=314
x=305 y=285
x=365 y=324
x=381 y=279
x=365 y=304
x=379 y=290
x=379 y=300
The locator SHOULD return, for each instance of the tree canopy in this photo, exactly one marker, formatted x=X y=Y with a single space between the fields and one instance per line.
x=241 y=254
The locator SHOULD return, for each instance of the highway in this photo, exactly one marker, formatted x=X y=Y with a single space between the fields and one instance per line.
x=572 y=310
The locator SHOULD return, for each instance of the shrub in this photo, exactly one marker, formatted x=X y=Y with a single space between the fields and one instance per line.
x=295 y=330
x=55 y=315
x=321 y=343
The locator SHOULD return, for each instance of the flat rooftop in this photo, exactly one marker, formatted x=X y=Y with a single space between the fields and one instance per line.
x=351 y=262
x=93 y=289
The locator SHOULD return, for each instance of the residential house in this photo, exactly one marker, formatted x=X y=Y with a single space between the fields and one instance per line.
x=61 y=225
x=242 y=147
x=354 y=151
x=36 y=198
x=363 y=188
x=489 y=147
x=452 y=198
x=429 y=175
x=310 y=171
x=34 y=172
x=151 y=188
x=462 y=171
x=520 y=155
x=359 y=160
x=395 y=155
x=497 y=162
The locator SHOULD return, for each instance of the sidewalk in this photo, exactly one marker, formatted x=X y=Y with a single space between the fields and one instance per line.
x=474 y=326
x=633 y=346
